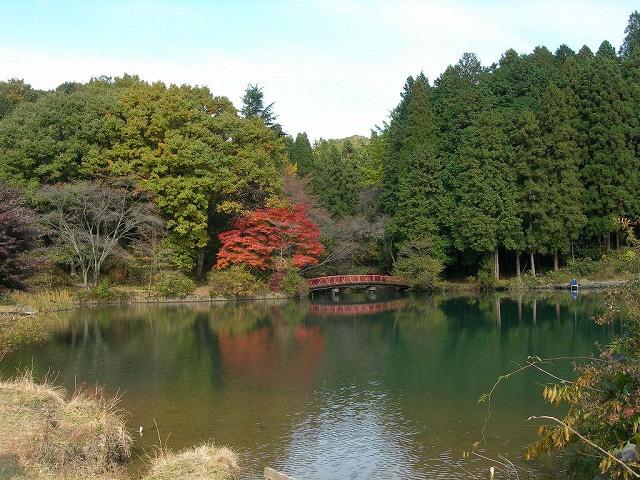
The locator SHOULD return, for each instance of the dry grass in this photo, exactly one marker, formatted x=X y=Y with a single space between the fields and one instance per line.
x=206 y=461
x=45 y=301
x=45 y=435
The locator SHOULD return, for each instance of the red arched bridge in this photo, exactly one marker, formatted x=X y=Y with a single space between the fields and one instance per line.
x=341 y=281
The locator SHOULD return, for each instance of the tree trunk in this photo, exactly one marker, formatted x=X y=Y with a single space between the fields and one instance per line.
x=85 y=277
x=518 y=264
x=555 y=262
x=496 y=261
x=608 y=241
x=617 y=240
x=533 y=265
x=200 y=263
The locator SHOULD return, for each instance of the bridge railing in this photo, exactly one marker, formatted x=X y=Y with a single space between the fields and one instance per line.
x=338 y=280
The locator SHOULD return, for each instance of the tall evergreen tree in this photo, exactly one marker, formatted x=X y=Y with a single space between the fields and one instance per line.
x=458 y=95
x=420 y=208
x=609 y=171
x=561 y=161
x=632 y=39
x=253 y=105
x=301 y=154
x=485 y=217
x=526 y=158
x=334 y=179
x=412 y=127
x=415 y=205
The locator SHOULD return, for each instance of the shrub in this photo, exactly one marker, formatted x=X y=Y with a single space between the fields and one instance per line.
x=418 y=266
x=486 y=275
x=235 y=281
x=173 y=284
x=583 y=267
x=289 y=282
x=100 y=294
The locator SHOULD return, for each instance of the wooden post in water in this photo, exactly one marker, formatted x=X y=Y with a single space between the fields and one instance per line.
x=271 y=474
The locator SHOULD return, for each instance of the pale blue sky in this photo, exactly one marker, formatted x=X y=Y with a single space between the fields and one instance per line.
x=333 y=68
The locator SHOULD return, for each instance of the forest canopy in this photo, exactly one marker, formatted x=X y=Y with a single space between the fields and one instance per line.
x=517 y=165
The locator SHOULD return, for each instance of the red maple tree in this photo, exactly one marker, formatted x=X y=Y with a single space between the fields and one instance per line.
x=268 y=238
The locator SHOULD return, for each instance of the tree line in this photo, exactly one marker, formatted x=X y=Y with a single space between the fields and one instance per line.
x=530 y=160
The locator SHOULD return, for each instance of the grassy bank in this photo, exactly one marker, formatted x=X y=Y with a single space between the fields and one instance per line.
x=46 y=434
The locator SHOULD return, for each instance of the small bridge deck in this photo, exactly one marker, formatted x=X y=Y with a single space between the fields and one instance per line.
x=338 y=281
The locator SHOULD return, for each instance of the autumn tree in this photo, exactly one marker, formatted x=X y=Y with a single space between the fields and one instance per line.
x=202 y=161
x=18 y=231
x=271 y=239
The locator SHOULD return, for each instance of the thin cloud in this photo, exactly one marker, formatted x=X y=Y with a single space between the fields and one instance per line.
x=333 y=68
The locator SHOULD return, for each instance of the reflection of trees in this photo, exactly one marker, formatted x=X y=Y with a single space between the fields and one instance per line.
x=264 y=360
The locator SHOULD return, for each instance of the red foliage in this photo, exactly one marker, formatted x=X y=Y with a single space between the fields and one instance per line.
x=267 y=238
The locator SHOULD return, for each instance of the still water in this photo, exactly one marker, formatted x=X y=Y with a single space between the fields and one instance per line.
x=359 y=388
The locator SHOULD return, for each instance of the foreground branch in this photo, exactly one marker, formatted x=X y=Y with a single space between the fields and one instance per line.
x=587 y=441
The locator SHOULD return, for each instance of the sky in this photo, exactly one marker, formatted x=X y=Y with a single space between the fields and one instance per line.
x=333 y=68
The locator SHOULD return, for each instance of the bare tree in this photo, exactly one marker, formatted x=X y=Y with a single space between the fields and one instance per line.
x=93 y=219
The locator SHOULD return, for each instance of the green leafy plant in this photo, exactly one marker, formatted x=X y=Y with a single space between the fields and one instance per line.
x=289 y=282
x=417 y=265
x=234 y=282
x=173 y=284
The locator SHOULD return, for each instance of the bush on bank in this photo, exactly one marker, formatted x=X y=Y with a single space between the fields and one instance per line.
x=173 y=284
x=234 y=282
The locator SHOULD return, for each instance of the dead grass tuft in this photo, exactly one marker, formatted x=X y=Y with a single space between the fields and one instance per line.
x=206 y=461
x=52 y=437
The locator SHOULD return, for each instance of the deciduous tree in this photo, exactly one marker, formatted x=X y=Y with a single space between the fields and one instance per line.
x=93 y=220
x=271 y=239
x=18 y=230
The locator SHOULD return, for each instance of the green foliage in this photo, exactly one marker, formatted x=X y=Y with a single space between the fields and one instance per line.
x=289 y=282
x=632 y=39
x=234 y=282
x=335 y=180
x=417 y=265
x=301 y=154
x=486 y=275
x=103 y=291
x=537 y=154
x=604 y=400
x=173 y=284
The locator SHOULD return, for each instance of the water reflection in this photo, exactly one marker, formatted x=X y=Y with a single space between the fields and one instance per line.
x=357 y=389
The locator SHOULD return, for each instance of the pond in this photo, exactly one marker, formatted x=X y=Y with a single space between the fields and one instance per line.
x=361 y=386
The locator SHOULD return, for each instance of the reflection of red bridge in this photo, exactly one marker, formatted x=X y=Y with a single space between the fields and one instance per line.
x=337 y=281
x=356 y=308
